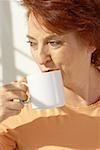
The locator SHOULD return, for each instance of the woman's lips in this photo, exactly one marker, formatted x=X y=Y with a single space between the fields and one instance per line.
x=49 y=70
x=44 y=69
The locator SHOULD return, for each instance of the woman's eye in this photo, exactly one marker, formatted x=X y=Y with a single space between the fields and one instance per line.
x=33 y=44
x=55 y=44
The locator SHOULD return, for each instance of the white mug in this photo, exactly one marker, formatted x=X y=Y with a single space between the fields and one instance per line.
x=46 y=89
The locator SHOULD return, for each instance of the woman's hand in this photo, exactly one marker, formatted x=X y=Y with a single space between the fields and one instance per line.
x=10 y=96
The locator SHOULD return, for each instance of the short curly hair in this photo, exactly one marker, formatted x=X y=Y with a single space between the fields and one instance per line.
x=60 y=16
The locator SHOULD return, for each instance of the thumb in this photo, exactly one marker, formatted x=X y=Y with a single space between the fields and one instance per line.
x=22 y=79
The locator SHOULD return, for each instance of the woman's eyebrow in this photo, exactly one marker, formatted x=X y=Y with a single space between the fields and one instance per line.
x=51 y=37
x=46 y=38
x=30 y=37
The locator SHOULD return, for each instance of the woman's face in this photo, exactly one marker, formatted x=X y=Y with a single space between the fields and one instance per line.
x=51 y=51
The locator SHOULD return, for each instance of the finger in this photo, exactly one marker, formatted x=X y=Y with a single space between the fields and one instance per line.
x=14 y=106
x=23 y=83
x=21 y=87
x=14 y=86
x=9 y=113
x=22 y=79
x=15 y=81
x=7 y=87
x=16 y=95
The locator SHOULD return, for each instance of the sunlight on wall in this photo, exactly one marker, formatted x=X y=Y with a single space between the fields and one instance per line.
x=15 y=57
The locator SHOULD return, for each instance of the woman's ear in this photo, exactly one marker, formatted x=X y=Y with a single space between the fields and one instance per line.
x=95 y=59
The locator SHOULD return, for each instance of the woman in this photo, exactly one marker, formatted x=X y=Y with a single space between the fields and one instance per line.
x=63 y=35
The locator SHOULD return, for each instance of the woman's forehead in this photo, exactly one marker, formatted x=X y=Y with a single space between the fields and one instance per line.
x=38 y=24
x=39 y=31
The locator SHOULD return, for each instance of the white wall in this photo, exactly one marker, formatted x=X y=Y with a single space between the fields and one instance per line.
x=15 y=57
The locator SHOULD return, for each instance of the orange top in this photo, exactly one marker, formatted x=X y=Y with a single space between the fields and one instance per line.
x=64 y=128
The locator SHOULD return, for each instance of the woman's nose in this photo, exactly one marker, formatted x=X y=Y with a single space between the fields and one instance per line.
x=43 y=58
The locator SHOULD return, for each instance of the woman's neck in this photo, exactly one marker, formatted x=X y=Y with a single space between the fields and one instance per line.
x=87 y=87
x=94 y=86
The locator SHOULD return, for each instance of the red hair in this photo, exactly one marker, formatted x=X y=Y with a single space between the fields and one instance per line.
x=61 y=16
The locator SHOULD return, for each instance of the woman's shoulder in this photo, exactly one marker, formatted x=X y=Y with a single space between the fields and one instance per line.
x=92 y=110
